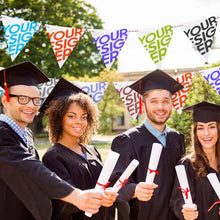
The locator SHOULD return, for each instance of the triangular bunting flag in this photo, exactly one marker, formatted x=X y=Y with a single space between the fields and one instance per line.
x=46 y=88
x=63 y=41
x=156 y=41
x=1 y=91
x=95 y=89
x=17 y=33
x=213 y=77
x=179 y=98
x=129 y=97
x=201 y=34
x=109 y=44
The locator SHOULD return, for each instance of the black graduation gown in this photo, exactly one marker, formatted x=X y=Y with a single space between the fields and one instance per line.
x=79 y=172
x=26 y=185
x=203 y=195
x=136 y=143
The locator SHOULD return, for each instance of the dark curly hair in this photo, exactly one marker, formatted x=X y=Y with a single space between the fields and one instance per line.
x=58 y=108
x=198 y=158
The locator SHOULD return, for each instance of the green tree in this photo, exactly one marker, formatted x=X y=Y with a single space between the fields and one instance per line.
x=84 y=59
x=110 y=105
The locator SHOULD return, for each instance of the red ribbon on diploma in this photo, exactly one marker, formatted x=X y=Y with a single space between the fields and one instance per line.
x=103 y=186
x=122 y=183
x=213 y=205
x=185 y=191
x=153 y=171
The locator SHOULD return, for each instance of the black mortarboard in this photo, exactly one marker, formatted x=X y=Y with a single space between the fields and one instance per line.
x=25 y=73
x=62 y=89
x=204 y=112
x=156 y=80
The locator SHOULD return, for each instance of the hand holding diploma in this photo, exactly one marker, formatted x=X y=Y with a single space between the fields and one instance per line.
x=144 y=190
x=106 y=172
x=190 y=212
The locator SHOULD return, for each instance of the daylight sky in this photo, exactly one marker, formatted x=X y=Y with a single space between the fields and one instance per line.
x=139 y=14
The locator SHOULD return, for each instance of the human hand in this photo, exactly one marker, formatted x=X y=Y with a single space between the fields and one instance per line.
x=87 y=200
x=190 y=212
x=144 y=191
x=109 y=197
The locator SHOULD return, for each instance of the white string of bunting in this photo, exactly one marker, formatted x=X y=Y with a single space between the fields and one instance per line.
x=130 y=98
x=109 y=43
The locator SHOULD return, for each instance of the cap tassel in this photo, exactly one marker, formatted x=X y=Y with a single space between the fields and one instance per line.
x=140 y=101
x=6 y=87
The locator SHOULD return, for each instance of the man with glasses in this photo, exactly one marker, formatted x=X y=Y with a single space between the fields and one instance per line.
x=26 y=185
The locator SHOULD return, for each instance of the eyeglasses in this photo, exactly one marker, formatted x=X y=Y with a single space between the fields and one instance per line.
x=23 y=100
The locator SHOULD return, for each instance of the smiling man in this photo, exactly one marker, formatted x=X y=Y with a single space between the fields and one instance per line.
x=150 y=201
x=26 y=185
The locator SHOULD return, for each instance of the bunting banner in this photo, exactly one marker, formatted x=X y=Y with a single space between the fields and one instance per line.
x=18 y=32
x=129 y=97
x=179 y=98
x=46 y=88
x=95 y=89
x=201 y=34
x=1 y=91
x=212 y=76
x=63 y=41
x=156 y=42
x=109 y=44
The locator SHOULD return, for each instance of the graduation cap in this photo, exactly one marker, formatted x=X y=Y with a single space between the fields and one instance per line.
x=25 y=73
x=204 y=112
x=156 y=80
x=62 y=89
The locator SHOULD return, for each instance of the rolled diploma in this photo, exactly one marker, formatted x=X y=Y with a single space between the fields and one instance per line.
x=181 y=174
x=154 y=159
x=106 y=172
x=213 y=179
x=125 y=175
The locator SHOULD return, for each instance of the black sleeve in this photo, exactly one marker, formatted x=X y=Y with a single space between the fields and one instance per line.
x=17 y=164
x=122 y=145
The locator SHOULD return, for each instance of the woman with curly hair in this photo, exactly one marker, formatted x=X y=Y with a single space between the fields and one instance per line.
x=204 y=159
x=72 y=119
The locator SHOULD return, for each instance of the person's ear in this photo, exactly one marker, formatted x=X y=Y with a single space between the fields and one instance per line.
x=4 y=101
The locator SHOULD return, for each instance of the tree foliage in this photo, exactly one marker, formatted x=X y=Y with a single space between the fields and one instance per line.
x=84 y=59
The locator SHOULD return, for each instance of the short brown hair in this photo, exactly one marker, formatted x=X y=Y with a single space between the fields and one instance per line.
x=58 y=108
